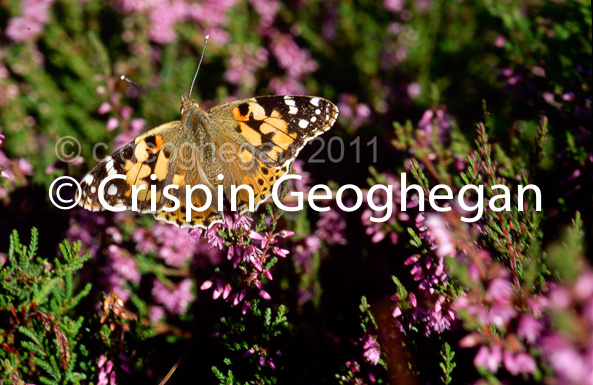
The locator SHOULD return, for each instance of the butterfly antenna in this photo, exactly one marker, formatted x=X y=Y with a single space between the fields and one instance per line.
x=199 y=64
x=147 y=88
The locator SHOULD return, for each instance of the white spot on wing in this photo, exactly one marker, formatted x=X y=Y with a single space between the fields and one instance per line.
x=290 y=102
x=318 y=111
x=93 y=189
x=88 y=179
x=303 y=123
x=293 y=110
x=109 y=166
x=112 y=190
x=315 y=102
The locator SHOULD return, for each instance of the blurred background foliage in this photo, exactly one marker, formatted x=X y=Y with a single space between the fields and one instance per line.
x=429 y=63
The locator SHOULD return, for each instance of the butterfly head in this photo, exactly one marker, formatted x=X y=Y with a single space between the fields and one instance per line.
x=191 y=113
x=187 y=104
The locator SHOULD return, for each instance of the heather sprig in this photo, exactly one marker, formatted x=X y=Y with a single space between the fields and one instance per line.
x=447 y=365
x=251 y=251
x=37 y=306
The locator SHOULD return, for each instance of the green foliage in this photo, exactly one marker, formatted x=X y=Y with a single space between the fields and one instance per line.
x=37 y=305
x=252 y=346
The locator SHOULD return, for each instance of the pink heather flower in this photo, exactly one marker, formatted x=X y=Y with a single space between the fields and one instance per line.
x=120 y=270
x=500 y=41
x=500 y=290
x=35 y=14
x=529 y=328
x=2 y=137
x=378 y=231
x=123 y=264
x=112 y=123
x=176 y=244
x=424 y=307
x=163 y=17
x=175 y=301
x=489 y=358
x=414 y=90
x=440 y=234
x=569 y=349
x=243 y=65
x=106 y=373
x=267 y=10
x=104 y=108
x=569 y=364
x=521 y=363
x=286 y=86
x=156 y=313
x=136 y=127
x=371 y=348
x=24 y=166
x=296 y=61
x=583 y=289
x=394 y=6
x=303 y=184
x=243 y=247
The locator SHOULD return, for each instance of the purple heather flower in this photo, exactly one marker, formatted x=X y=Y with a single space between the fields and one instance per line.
x=175 y=301
x=2 y=137
x=356 y=114
x=331 y=226
x=120 y=270
x=424 y=306
x=176 y=245
x=35 y=14
x=84 y=225
x=435 y=120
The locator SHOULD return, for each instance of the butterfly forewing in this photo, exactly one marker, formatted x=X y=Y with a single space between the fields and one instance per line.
x=275 y=128
x=145 y=162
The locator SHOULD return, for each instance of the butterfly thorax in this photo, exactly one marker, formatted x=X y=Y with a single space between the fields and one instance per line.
x=195 y=121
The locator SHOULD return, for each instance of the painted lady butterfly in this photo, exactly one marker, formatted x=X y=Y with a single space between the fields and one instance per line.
x=247 y=142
